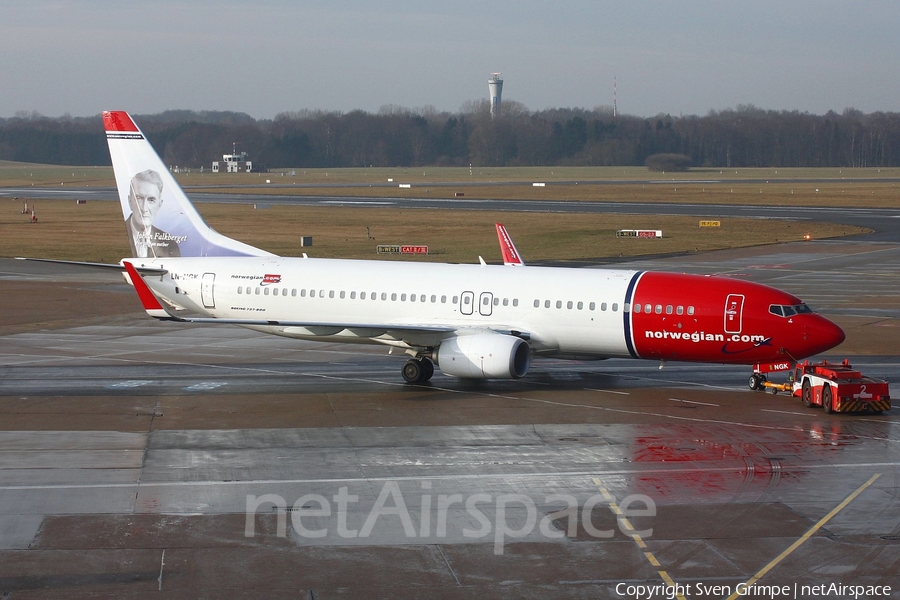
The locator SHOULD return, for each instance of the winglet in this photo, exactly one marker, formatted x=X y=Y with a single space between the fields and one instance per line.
x=511 y=256
x=148 y=299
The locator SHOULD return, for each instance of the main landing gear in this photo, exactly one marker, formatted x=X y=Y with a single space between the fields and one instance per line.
x=418 y=370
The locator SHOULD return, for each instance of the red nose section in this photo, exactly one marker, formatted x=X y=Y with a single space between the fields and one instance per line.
x=822 y=335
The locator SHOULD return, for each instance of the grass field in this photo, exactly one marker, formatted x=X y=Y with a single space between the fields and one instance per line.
x=757 y=187
x=95 y=231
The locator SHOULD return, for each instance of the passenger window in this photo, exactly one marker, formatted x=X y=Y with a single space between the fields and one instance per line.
x=256 y=291
x=615 y=307
x=467 y=300
x=331 y=293
x=455 y=299
x=506 y=302
x=384 y=296
x=412 y=297
x=444 y=300
x=284 y=291
x=240 y=289
x=592 y=305
x=537 y=303
x=352 y=295
x=422 y=298
x=343 y=295
x=394 y=297
x=266 y=291
x=515 y=301
x=303 y=293
x=626 y=307
x=690 y=310
x=637 y=308
x=294 y=292
x=669 y=309
x=569 y=305
x=546 y=304
x=580 y=305
x=680 y=310
x=433 y=298
x=659 y=309
x=496 y=301
x=322 y=293
x=362 y=295
x=602 y=306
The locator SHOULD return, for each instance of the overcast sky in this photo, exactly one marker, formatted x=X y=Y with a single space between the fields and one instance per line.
x=263 y=57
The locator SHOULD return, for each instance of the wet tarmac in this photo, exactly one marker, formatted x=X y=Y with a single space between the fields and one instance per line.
x=141 y=458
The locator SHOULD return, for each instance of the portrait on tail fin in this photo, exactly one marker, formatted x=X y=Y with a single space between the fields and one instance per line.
x=145 y=199
x=161 y=221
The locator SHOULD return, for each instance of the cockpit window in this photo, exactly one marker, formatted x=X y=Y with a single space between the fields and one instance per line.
x=789 y=310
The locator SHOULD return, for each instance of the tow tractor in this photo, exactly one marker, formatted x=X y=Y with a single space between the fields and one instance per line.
x=834 y=387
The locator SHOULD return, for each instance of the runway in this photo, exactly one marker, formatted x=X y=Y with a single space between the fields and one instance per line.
x=133 y=451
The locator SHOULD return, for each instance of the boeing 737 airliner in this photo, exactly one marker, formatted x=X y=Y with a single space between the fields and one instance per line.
x=475 y=321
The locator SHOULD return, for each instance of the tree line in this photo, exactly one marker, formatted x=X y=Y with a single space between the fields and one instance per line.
x=395 y=136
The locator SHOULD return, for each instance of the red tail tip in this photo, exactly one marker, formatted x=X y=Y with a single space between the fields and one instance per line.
x=118 y=120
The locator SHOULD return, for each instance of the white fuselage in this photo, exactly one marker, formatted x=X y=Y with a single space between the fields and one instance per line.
x=572 y=312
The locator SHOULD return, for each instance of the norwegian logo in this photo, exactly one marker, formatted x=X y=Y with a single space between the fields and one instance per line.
x=269 y=279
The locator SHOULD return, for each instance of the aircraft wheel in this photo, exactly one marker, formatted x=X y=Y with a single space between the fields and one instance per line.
x=807 y=394
x=427 y=369
x=412 y=371
x=827 y=400
x=756 y=381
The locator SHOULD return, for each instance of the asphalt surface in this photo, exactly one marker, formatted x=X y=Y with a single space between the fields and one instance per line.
x=141 y=458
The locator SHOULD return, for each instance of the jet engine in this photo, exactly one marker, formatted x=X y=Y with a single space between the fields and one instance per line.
x=484 y=356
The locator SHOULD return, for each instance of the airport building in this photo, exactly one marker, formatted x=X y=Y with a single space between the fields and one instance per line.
x=236 y=162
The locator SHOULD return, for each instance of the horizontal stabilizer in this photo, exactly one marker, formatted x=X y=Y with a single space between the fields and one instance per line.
x=116 y=266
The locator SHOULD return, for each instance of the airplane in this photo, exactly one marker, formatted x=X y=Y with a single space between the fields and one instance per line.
x=475 y=321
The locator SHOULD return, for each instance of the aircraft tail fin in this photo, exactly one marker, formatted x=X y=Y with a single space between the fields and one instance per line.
x=160 y=220
x=511 y=256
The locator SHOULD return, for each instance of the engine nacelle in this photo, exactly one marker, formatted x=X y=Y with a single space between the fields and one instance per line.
x=484 y=356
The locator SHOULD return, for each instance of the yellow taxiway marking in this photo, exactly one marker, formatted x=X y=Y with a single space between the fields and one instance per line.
x=614 y=507
x=807 y=535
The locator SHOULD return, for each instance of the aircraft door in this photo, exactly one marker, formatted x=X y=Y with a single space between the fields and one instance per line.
x=734 y=313
x=485 y=304
x=206 y=290
x=467 y=303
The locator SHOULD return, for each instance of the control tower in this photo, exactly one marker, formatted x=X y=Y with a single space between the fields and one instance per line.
x=495 y=87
